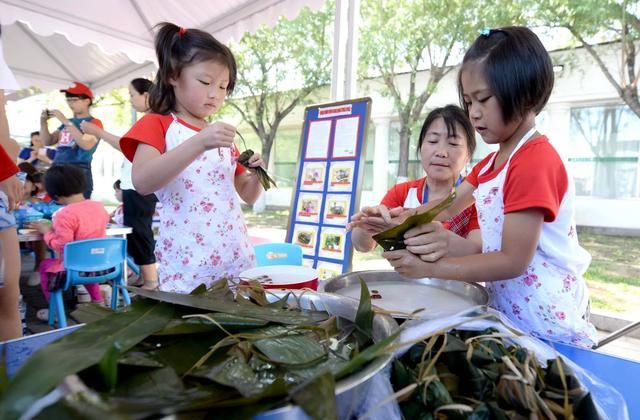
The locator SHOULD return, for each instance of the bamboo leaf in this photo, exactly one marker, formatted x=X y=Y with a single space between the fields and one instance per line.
x=108 y=367
x=289 y=348
x=367 y=355
x=393 y=239
x=90 y=313
x=219 y=305
x=201 y=324
x=364 y=316
x=51 y=364
x=317 y=397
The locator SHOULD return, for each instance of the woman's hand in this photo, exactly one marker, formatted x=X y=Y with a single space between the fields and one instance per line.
x=429 y=242
x=217 y=135
x=376 y=219
x=408 y=265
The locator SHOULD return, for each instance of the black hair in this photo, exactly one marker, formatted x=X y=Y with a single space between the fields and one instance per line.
x=177 y=48
x=452 y=115
x=141 y=85
x=27 y=168
x=517 y=68
x=79 y=96
x=33 y=133
x=64 y=181
x=116 y=185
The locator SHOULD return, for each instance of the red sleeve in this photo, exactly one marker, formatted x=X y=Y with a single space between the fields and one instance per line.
x=150 y=129
x=97 y=122
x=472 y=178
x=536 y=178
x=396 y=196
x=239 y=168
x=7 y=165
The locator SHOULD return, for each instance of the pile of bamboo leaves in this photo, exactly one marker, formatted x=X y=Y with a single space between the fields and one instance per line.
x=211 y=353
x=479 y=375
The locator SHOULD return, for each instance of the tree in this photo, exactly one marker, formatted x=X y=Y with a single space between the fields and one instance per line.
x=279 y=67
x=596 y=21
x=411 y=36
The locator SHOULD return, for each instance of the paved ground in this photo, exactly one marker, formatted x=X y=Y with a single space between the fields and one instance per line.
x=628 y=348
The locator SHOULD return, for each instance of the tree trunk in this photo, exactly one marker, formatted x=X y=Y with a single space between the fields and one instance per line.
x=403 y=164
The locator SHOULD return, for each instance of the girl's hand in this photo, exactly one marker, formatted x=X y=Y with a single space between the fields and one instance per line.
x=90 y=128
x=218 y=135
x=41 y=226
x=429 y=242
x=256 y=161
x=408 y=265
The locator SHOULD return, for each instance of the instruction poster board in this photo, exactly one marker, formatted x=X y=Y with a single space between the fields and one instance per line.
x=328 y=183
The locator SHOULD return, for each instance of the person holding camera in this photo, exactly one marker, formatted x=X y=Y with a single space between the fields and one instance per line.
x=74 y=146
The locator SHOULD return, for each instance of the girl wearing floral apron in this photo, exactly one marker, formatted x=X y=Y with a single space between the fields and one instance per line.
x=528 y=256
x=191 y=165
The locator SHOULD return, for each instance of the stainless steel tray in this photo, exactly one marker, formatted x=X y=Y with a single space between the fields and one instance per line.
x=424 y=298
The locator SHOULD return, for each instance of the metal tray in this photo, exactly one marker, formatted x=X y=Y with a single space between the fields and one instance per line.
x=425 y=298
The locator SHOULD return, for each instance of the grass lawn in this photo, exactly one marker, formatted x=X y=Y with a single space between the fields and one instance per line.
x=613 y=276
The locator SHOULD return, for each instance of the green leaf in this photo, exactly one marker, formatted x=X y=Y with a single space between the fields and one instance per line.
x=200 y=324
x=90 y=313
x=367 y=355
x=79 y=350
x=364 y=316
x=108 y=367
x=317 y=397
x=140 y=359
x=393 y=239
x=235 y=373
x=219 y=305
x=289 y=348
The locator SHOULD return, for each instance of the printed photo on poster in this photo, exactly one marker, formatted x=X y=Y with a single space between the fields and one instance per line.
x=332 y=243
x=341 y=176
x=327 y=270
x=305 y=236
x=308 y=207
x=336 y=209
x=313 y=174
x=345 y=138
x=318 y=140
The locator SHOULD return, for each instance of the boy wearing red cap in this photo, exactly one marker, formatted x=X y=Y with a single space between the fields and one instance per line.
x=74 y=147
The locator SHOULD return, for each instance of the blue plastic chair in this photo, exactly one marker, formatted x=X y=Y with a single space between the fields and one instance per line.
x=91 y=255
x=278 y=254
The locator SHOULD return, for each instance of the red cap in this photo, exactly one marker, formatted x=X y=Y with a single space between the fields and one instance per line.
x=78 y=88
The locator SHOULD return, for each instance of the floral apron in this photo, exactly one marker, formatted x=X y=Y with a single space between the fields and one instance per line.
x=547 y=301
x=203 y=236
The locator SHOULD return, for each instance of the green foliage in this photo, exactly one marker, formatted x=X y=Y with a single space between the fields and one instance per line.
x=279 y=67
x=410 y=36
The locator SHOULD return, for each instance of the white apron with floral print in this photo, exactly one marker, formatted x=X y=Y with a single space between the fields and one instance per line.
x=203 y=236
x=550 y=299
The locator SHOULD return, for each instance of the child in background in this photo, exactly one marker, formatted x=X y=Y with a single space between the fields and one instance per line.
x=36 y=154
x=117 y=216
x=75 y=147
x=191 y=165
x=531 y=260
x=79 y=219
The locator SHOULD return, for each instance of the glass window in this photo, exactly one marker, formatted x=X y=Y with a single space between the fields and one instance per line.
x=605 y=145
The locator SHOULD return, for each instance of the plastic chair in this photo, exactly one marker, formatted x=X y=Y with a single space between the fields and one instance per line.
x=91 y=255
x=278 y=254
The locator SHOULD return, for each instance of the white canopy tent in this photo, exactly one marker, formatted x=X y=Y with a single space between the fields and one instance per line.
x=107 y=43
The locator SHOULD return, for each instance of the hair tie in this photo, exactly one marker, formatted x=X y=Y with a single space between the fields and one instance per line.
x=182 y=31
x=485 y=32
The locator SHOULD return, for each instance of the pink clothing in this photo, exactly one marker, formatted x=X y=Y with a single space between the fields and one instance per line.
x=93 y=289
x=77 y=221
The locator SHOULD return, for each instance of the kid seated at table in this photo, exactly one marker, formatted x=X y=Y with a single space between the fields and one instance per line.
x=79 y=219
